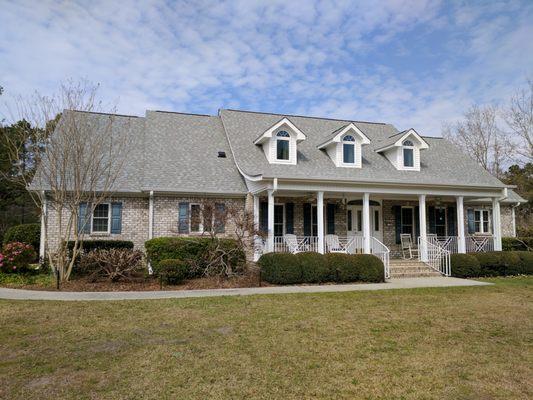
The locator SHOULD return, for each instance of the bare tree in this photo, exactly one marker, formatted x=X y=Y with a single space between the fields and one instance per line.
x=519 y=117
x=80 y=161
x=479 y=135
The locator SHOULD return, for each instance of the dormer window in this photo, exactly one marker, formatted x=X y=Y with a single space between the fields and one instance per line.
x=408 y=154
x=348 y=149
x=282 y=145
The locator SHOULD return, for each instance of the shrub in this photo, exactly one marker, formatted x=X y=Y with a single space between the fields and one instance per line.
x=90 y=245
x=526 y=262
x=465 y=266
x=490 y=263
x=172 y=271
x=25 y=233
x=280 y=268
x=314 y=268
x=517 y=243
x=16 y=257
x=355 y=267
x=204 y=255
x=113 y=264
x=371 y=268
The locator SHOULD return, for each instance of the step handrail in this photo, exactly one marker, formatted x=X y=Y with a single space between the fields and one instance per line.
x=437 y=257
x=381 y=251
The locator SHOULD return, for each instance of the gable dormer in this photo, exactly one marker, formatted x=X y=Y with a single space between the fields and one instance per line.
x=280 y=142
x=403 y=150
x=344 y=146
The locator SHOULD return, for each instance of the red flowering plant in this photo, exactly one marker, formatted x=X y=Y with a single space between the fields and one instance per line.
x=16 y=257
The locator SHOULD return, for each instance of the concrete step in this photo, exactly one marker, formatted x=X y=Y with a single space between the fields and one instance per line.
x=412 y=270
x=416 y=275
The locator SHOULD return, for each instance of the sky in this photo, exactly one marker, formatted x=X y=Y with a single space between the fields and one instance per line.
x=414 y=63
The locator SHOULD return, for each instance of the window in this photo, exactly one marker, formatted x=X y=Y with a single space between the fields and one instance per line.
x=196 y=218
x=407 y=220
x=481 y=221
x=279 y=219
x=282 y=145
x=440 y=221
x=100 y=221
x=408 y=154
x=348 y=149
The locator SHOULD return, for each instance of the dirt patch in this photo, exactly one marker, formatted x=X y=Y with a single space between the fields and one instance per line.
x=40 y=382
x=224 y=330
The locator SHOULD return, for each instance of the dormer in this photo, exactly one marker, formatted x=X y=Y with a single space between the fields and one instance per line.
x=344 y=146
x=280 y=142
x=403 y=150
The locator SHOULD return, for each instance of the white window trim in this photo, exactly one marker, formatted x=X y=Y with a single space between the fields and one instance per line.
x=284 y=139
x=108 y=232
x=405 y=167
x=481 y=221
x=355 y=153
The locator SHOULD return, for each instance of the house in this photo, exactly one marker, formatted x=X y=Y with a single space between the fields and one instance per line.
x=364 y=182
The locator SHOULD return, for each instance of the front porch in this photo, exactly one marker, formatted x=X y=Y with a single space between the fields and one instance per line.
x=377 y=223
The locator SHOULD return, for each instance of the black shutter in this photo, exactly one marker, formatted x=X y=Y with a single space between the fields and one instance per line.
x=451 y=221
x=220 y=217
x=263 y=216
x=397 y=211
x=417 y=222
x=471 y=222
x=289 y=218
x=183 y=218
x=330 y=216
x=116 y=218
x=84 y=218
x=431 y=214
x=307 y=219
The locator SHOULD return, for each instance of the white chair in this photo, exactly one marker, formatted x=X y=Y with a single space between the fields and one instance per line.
x=291 y=241
x=407 y=246
x=333 y=244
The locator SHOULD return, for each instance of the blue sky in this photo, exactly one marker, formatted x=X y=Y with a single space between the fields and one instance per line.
x=410 y=63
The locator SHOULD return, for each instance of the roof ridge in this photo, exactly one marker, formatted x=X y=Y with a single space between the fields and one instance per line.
x=304 y=116
x=103 y=113
x=182 y=113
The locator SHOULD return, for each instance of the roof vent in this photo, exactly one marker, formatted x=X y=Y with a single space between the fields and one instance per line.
x=221 y=154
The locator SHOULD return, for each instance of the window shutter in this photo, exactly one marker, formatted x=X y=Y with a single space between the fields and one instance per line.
x=183 y=218
x=84 y=222
x=431 y=214
x=220 y=217
x=417 y=222
x=451 y=221
x=397 y=211
x=330 y=217
x=307 y=219
x=116 y=217
x=263 y=216
x=470 y=219
x=289 y=218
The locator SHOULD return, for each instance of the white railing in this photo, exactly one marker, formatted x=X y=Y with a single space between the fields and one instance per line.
x=357 y=244
x=382 y=252
x=479 y=244
x=435 y=256
x=449 y=243
x=282 y=244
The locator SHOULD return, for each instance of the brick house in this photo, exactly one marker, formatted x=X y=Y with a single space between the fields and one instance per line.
x=366 y=183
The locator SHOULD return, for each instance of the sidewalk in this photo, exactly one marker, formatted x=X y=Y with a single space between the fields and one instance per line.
x=404 y=283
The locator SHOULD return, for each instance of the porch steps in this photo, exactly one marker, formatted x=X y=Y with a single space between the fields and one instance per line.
x=401 y=268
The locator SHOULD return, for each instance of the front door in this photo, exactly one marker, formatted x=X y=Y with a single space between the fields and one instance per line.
x=354 y=219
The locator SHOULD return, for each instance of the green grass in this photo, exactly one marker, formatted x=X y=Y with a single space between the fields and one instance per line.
x=455 y=343
x=19 y=280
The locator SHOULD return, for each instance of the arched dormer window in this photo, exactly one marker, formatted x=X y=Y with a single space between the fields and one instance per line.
x=408 y=154
x=282 y=145
x=348 y=149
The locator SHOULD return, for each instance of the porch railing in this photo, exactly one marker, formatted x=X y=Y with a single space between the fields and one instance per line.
x=479 y=244
x=382 y=252
x=435 y=256
x=302 y=243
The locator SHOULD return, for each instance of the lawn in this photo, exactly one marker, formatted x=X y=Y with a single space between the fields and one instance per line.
x=456 y=343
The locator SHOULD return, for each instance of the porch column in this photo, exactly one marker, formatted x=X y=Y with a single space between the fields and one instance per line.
x=42 y=241
x=366 y=223
x=496 y=224
x=422 y=221
x=151 y=215
x=461 y=241
x=270 y=226
x=256 y=225
x=320 y=220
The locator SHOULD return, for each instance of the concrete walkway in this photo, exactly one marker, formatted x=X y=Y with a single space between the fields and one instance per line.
x=404 y=283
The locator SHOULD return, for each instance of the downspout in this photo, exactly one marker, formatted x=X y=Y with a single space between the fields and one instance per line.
x=150 y=224
x=513 y=215
x=42 y=241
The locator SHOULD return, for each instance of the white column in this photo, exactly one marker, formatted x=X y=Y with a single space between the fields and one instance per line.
x=461 y=241
x=422 y=222
x=42 y=241
x=496 y=225
x=256 y=225
x=270 y=226
x=320 y=220
x=513 y=216
x=151 y=215
x=366 y=223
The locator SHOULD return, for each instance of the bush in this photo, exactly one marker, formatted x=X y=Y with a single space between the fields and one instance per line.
x=16 y=257
x=526 y=262
x=517 y=243
x=199 y=253
x=113 y=264
x=342 y=267
x=90 y=245
x=314 y=268
x=371 y=268
x=280 y=268
x=490 y=263
x=25 y=233
x=355 y=267
x=172 y=271
x=465 y=266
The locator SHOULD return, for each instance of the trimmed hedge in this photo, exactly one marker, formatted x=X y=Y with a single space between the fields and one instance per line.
x=25 y=233
x=172 y=271
x=191 y=248
x=286 y=268
x=495 y=263
x=517 y=243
